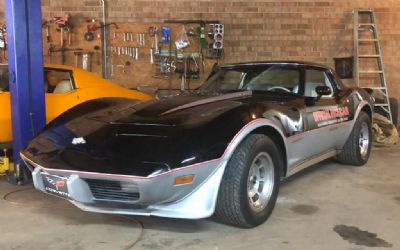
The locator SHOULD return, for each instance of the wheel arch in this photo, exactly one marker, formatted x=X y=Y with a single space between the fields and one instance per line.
x=229 y=203
x=260 y=126
x=364 y=106
x=367 y=109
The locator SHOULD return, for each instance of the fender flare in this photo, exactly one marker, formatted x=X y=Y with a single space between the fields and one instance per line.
x=360 y=107
x=234 y=143
x=248 y=129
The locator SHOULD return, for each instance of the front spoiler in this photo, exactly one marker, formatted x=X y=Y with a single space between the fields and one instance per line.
x=158 y=195
x=197 y=205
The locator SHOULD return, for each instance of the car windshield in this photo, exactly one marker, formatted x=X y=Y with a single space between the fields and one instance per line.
x=273 y=78
x=4 y=84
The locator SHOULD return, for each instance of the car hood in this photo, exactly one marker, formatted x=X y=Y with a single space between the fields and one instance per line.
x=120 y=136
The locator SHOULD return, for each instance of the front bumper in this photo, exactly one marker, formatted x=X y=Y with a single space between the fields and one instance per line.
x=135 y=195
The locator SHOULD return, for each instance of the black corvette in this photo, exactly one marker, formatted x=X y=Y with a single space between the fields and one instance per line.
x=221 y=149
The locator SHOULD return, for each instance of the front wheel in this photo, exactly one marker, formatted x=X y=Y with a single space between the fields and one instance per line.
x=249 y=187
x=357 y=149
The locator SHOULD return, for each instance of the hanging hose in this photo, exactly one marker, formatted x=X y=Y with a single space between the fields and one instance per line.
x=105 y=66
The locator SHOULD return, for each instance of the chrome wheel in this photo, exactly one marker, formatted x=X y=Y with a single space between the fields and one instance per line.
x=260 y=182
x=364 y=140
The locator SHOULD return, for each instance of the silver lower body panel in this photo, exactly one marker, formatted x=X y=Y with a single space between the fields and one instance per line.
x=159 y=196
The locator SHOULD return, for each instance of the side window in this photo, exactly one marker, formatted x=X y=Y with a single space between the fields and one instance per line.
x=58 y=81
x=227 y=80
x=231 y=80
x=315 y=78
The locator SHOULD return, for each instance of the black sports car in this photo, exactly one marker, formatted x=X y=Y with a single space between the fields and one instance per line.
x=222 y=149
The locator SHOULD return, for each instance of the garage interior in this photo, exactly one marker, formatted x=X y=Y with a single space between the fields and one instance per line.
x=327 y=206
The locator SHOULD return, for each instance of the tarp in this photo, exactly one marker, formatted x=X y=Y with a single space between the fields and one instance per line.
x=384 y=132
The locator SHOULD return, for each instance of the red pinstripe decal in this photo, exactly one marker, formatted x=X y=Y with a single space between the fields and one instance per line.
x=208 y=100
x=163 y=174
x=306 y=132
x=259 y=120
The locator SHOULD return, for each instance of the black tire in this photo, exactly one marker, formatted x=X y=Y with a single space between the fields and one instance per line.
x=233 y=205
x=351 y=152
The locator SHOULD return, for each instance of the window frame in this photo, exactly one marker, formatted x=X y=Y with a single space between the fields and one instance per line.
x=338 y=85
x=71 y=76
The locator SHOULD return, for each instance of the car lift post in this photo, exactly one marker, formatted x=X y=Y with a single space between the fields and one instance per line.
x=25 y=60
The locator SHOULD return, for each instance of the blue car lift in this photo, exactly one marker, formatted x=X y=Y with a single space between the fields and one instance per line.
x=27 y=90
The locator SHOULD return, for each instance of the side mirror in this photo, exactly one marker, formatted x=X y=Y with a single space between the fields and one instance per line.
x=323 y=90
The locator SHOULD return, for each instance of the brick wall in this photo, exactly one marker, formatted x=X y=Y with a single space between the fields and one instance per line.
x=264 y=29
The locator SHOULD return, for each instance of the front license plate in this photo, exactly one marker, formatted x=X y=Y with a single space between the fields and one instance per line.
x=56 y=185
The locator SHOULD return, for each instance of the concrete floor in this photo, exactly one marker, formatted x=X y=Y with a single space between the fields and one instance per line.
x=313 y=208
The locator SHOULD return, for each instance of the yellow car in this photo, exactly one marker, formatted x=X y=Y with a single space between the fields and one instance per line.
x=66 y=87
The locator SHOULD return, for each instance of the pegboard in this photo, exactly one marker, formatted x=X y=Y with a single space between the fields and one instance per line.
x=132 y=72
x=125 y=68
x=74 y=42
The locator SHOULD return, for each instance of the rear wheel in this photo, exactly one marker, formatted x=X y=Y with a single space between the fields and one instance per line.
x=357 y=149
x=249 y=187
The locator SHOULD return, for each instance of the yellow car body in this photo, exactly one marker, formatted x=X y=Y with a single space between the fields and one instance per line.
x=84 y=86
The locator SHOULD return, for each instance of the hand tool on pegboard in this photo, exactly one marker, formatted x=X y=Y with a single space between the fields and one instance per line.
x=122 y=66
x=3 y=41
x=194 y=73
x=97 y=52
x=46 y=26
x=87 y=60
x=77 y=55
x=93 y=26
x=153 y=32
x=64 y=25
x=151 y=55
x=203 y=43
x=166 y=35
x=202 y=37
